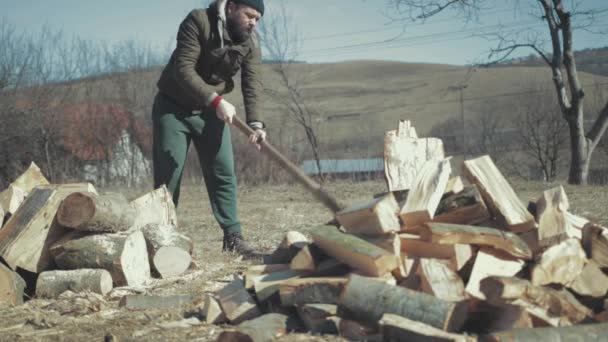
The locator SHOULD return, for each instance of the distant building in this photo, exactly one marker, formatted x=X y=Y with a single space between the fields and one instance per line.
x=346 y=168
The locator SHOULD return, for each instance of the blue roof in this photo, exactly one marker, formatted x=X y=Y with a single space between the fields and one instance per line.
x=343 y=165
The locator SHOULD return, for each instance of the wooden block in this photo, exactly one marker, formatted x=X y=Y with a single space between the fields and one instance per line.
x=454 y=186
x=257 y=270
x=413 y=246
x=169 y=251
x=353 y=251
x=11 y=199
x=550 y=215
x=30 y=178
x=462 y=255
x=423 y=199
x=371 y=218
x=155 y=206
x=316 y=318
x=211 y=310
x=445 y=233
x=500 y=198
x=264 y=328
x=560 y=264
x=591 y=282
x=440 y=281
x=575 y=225
x=51 y=284
x=307 y=259
x=144 y=302
x=465 y=207
x=397 y=328
x=391 y=243
x=582 y=332
x=595 y=243
x=287 y=249
x=236 y=302
x=311 y=290
x=488 y=263
x=267 y=285
x=94 y=213
x=11 y=287
x=26 y=237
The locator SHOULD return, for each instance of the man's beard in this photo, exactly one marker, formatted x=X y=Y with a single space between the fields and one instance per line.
x=236 y=34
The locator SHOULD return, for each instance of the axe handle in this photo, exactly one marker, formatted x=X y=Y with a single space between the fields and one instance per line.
x=315 y=188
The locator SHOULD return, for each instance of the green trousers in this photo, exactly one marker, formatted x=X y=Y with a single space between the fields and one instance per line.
x=173 y=131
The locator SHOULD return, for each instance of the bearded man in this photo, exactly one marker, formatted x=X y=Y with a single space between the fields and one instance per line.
x=213 y=44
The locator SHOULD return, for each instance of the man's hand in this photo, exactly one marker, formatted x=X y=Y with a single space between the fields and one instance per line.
x=257 y=137
x=225 y=111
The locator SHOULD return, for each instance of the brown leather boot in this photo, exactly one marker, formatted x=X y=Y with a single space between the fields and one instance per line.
x=235 y=243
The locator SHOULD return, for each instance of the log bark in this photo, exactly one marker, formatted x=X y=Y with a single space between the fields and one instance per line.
x=367 y=300
x=154 y=207
x=311 y=290
x=125 y=256
x=440 y=281
x=560 y=264
x=353 y=251
x=595 y=243
x=51 y=284
x=498 y=194
x=371 y=218
x=465 y=207
x=414 y=247
x=317 y=318
x=268 y=284
x=491 y=262
x=236 y=302
x=145 y=302
x=11 y=287
x=169 y=251
x=445 y=233
x=262 y=329
x=582 y=332
x=93 y=213
x=396 y=328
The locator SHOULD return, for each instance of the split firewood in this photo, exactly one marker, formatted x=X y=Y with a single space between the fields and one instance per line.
x=367 y=300
x=257 y=270
x=169 y=251
x=125 y=256
x=553 y=225
x=311 y=291
x=400 y=329
x=491 y=262
x=391 y=243
x=546 y=303
x=423 y=199
x=267 y=285
x=498 y=194
x=262 y=329
x=316 y=318
x=354 y=251
x=26 y=237
x=439 y=280
x=575 y=225
x=591 y=282
x=145 y=302
x=581 y=332
x=307 y=259
x=464 y=207
x=11 y=199
x=414 y=247
x=490 y=317
x=445 y=233
x=2 y=217
x=371 y=218
x=560 y=264
x=356 y=331
x=211 y=311
x=454 y=186
x=236 y=302
x=462 y=255
x=531 y=239
x=330 y=268
x=11 y=286
x=51 y=284
x=595 y=242
x=96 y=213
x=155 y=206
x=291 y=244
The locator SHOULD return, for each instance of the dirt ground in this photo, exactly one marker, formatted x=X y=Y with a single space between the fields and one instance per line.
x=267 y=212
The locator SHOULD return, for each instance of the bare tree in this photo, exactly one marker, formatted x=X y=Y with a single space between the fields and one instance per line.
x=561 y=21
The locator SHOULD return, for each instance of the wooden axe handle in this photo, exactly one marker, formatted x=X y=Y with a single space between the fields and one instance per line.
x=328 y=200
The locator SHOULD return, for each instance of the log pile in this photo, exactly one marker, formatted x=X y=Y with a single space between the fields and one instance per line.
x=74 y=238
x=459 y=259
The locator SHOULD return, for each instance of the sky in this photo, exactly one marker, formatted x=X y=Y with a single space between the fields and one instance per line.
x=329 y=30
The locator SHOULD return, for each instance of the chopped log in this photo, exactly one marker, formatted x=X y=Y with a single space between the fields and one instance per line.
x=11 y=199
x=51 y=284
x=311 y=290
x=125 y=256
x=500 y=198
x=30 y=178
x=560 y=264
x=257 y=270
x=591 y=282
x=446 y=233
x=462 y=255
x=595 y=242
x=307 y=259
x=353 y=251
x=368 y=299
x=211 y=311
x=404 y=155
x=317 y=318
x=169 y=251
x=465 y=207
x=439 y=280
x=531 y=239
x=330 y=268
x=391 y=243
x=236 y=302
x=262 y=329
x=423 y=199
x=287 y=249
x=454 y=186
x=544 y=302
x=26 y=237
x=267 y=285
x=11 y=287
x=485 y=318
x=371 y=218
x=414 y=247
x=356 y=331
x=145 y=302
x=582 y=332
x=94 y=213
x=575 y=225
x=553 y=226
x=491 y=262
x=400 y=329
x=154 y=207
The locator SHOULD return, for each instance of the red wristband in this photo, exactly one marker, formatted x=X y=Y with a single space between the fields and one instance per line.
x=216 y=101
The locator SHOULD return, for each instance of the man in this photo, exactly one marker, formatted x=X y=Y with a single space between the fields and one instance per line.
x=213 y=44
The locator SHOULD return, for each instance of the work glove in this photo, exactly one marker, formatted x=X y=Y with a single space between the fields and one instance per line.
x=225 y=111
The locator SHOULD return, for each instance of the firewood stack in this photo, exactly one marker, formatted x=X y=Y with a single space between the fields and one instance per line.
x=75 y=239
x=454 y=260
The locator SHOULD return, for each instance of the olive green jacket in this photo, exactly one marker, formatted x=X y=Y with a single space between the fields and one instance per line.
x=201 y=65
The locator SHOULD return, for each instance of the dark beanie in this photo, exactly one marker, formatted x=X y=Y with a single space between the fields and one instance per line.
x=256 y=4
